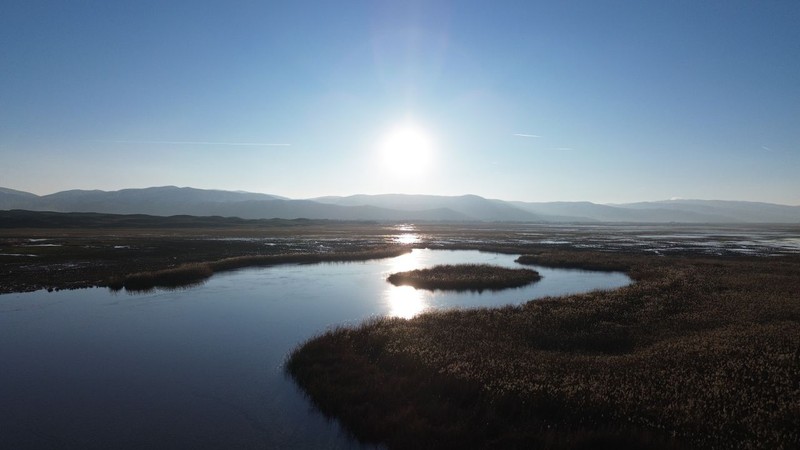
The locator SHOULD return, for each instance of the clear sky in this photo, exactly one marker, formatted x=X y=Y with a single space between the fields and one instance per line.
x=605 y=101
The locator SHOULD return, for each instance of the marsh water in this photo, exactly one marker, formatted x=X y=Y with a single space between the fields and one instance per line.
x=202 y=367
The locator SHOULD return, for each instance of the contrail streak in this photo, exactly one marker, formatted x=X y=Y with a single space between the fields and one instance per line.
x=238 y=144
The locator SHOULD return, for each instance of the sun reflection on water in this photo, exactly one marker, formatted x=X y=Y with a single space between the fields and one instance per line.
x=407 y=238
x=405 y=301
x=407 y=234
x=404 y=262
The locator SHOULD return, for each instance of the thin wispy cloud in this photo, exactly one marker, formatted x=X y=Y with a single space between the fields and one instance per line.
x=527 y=135
x=767 y=148
x=234 y=144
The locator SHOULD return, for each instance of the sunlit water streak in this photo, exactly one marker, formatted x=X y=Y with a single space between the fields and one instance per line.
x=405 y=302
x=407 y=239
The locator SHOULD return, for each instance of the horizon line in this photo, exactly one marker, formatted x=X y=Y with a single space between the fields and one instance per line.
x=611 y=203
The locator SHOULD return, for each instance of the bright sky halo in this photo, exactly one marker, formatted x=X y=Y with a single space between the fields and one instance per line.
x=406 y=150
x=311 y=117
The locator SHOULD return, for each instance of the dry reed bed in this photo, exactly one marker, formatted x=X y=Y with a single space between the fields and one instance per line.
x=193 y=273
x=463 y=277
x=698 y=353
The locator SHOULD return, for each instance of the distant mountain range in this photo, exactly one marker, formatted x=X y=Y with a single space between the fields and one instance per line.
x=171 y=200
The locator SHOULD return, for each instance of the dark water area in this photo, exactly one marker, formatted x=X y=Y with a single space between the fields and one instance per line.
x=202 y=367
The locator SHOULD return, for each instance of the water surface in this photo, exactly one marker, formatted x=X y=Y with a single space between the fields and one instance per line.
x=202 y=367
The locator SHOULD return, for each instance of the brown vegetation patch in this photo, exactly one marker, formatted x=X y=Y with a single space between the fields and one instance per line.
x=464 y=277
x=193 y=273
x=699 y=352
x=184 y=275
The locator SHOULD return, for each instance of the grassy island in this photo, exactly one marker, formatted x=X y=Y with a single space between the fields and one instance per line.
x=462 y=277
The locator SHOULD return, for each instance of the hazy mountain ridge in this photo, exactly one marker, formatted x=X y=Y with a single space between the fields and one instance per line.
x=10 y=198
x=471 y=207
x=622 y=213
x=744 y=211
x=171 y=200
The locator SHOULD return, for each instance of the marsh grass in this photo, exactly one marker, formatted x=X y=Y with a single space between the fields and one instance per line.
x=194 y=273
x=464 y=277
x=184 y=275
x=699 y=352
x=565 y=259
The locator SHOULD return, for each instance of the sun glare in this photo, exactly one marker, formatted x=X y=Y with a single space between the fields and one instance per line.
x=405 y=301
x=407 y=150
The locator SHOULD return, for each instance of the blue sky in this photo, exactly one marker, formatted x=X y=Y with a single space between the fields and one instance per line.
x=605 y=101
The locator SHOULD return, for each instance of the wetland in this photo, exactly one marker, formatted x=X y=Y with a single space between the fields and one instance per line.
x=701 y=350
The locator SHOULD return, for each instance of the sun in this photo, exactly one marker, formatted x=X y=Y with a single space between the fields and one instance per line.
x=407 y=150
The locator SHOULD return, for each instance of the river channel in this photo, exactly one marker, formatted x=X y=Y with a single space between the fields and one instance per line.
x=202 y=367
